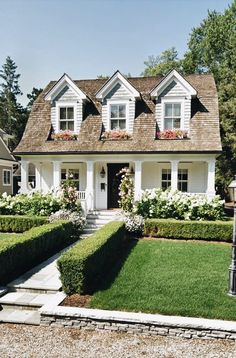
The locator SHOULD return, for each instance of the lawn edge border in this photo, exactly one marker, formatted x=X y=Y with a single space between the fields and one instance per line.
x=54 y=315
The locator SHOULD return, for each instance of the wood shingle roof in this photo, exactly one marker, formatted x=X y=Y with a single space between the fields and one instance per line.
x=204 y=123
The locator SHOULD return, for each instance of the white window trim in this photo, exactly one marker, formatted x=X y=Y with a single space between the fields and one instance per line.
x=172 y=100
x=63 y=105
x=120 y=101
x=7 y=170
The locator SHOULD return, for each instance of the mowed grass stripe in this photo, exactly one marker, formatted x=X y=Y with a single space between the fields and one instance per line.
x=172 y=278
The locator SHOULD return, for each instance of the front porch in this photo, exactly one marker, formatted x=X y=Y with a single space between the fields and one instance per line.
x=98 y=183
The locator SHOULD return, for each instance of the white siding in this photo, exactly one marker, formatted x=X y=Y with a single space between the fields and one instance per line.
x=197 y=175
x=174 y=90
x=119 y=93
x=67 y=95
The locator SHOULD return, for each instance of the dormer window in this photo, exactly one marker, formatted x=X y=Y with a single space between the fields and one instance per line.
x=172 y=116
x=118 y=116
x=66 y=118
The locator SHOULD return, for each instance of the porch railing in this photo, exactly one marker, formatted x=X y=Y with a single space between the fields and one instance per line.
x=81 y=195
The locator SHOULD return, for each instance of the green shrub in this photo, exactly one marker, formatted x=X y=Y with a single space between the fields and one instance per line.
x=168 y=204
x=26 y=250
x=199 y=230
x=12 y=223
x=83 y=266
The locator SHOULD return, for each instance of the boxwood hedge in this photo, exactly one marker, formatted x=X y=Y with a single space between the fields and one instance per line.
x=22 y=252
x=83 y=266
x=16 y=223
x=197 y=230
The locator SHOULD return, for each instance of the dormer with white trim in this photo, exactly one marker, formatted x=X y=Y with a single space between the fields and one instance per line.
x=173 y=102
x=118 y=98
x=66 y=105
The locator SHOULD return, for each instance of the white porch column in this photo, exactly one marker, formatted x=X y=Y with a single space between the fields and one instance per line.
x=211 y=177
x=24 y=177
x=56 y=173
x=38 y=176
x=174 y=174
x=90 y=185
x=137 y=179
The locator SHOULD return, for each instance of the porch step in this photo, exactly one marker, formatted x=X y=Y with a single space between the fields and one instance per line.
x=3 y=291
x=20 y=316
x=24 y=300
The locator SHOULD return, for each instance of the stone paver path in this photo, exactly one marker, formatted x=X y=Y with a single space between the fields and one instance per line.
x=30 y=292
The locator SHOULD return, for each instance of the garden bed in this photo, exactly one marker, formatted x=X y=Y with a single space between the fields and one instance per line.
x=169 y=277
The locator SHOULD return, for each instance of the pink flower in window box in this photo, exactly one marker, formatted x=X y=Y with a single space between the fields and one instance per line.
x=172 y=134
x=65 y=135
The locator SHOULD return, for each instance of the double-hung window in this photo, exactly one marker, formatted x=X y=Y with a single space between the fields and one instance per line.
x=118 y=115
x=66 y=118
x=6 y=177
x=165 y=178
x=183 y=180
x=172 y=115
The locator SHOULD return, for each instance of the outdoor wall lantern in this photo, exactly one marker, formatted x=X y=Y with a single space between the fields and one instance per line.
x=232 y=268
x=102 y=173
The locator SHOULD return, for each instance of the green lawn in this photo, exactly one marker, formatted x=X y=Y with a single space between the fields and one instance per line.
x=173 y=278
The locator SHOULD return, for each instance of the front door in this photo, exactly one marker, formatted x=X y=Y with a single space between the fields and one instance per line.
x=113 y=183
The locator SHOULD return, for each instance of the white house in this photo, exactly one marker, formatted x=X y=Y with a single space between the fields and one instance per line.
x=7 y=161
x=124 y=122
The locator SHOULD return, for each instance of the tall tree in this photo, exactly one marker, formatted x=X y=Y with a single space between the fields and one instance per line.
x=212 y=48
x=12 y=115
x=33 y=96
x=161 y=65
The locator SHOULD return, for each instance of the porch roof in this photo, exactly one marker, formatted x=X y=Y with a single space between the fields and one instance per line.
x=204 y=123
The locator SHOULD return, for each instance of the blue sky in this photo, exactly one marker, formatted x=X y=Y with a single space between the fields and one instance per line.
x=86 y=38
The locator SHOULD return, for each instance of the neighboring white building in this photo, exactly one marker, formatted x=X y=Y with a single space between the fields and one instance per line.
x=7 y=161
x=142 y=106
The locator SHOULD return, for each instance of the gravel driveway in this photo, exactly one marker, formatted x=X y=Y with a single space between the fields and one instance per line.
x=30 y=341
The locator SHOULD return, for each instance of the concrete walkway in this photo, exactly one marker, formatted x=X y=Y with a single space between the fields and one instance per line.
x=22 y=298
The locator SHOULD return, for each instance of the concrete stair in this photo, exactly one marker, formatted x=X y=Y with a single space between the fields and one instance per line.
x=23 y=297
x=97 y=219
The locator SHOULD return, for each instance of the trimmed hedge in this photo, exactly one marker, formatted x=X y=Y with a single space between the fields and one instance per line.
x=189 y=230
x=14 y=223
x=26 y=250
x=84 y=265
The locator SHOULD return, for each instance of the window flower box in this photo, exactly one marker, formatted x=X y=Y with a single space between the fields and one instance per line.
x=116 y=134
x=172 y=134
x=65 y=135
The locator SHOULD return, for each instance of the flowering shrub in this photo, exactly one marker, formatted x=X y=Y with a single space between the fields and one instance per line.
x=126 y=190
x=172 y=134
x=35 y=203
x=75 y=218
x=31 y=204
x=64 y=135
x=133 y=223
x=156 y=203
x=68 y=196
x=116 y=134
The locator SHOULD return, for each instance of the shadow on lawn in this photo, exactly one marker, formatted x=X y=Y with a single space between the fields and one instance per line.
x=106 y=281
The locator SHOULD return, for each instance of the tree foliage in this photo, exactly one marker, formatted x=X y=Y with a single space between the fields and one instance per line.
x=13 y=116
x=161 y=65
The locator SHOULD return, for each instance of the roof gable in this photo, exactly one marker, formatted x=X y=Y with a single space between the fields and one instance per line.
x=5 y=153
x=171 y=77
x=65 y=80
x=117 y=78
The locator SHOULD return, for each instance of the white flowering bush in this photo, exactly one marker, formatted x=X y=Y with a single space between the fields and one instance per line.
x=76 y=218
x=156 y=203
x=133 y=223
x=29 y=204
x=36 y=203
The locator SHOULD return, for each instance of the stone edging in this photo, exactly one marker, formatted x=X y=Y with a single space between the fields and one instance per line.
x=137 y=323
